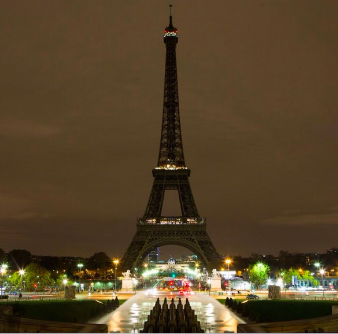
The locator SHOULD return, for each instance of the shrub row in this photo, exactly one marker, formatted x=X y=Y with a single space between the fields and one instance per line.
x=78 y=311
x=234 y=304
x=281 y=310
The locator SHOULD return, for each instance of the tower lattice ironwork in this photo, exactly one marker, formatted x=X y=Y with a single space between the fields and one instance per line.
x=171 y=173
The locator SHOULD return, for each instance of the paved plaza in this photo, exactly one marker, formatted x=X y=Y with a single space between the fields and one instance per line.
x=130 y=317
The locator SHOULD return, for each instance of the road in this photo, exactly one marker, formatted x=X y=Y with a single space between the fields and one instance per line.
x=130 y=316
x=288 y=294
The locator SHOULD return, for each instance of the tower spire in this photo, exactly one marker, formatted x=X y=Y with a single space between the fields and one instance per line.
x=171 y=148
x=170 y=17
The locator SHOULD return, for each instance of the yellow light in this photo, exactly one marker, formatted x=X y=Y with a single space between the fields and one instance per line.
x=228 y=261
x=145 y=265
x=116 y=262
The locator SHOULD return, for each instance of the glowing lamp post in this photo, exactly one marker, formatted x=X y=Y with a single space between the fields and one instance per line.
x=209 y=283
x=322 y=272
x=135 y=281
x=80 y=265
x=65 y=281
x=3 y=272
x=21 y=272
x=116 y=262
x=145 y=265
x=228 y=261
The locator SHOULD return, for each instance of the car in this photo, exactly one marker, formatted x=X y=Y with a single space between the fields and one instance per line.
x=13 y=293
x=252 y=296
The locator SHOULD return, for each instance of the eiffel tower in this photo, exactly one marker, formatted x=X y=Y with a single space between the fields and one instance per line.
x=171 y=173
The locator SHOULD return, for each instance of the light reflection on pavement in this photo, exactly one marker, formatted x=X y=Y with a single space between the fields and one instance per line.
x=130 y=316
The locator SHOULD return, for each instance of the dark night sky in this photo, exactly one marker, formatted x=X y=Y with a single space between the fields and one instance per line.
x=81 y=108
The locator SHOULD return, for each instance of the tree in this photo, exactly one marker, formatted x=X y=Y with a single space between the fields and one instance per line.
x=288 y=274
x=36 y=274
x=50 y=263
x=258 y=274
x=2 y=256
x=100 y=262
x=299 y=273
x=306 y=275
x=19 y=258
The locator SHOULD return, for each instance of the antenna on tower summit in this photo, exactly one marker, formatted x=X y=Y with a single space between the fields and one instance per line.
x=171 y=18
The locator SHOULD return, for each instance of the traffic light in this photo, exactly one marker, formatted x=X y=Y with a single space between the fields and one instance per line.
x=171 y=283
x=173 y=275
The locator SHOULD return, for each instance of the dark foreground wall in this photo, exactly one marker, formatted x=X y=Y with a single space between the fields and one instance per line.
x=12 y=324
x=328 y=324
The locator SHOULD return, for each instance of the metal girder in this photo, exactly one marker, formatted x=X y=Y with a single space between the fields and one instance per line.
x=192 y=237
x=189 y=229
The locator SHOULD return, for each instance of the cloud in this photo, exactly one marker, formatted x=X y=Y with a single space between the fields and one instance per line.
x=330 y=217
x=20 y=128
x=17 y=208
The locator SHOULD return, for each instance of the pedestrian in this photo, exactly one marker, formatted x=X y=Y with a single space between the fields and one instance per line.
x=20 y=295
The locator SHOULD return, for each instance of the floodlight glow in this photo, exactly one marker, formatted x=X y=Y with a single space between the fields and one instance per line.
x=150 y=272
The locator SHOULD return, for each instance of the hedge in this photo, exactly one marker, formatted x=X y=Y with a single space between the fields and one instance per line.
x=78 y=311
x=286 y=310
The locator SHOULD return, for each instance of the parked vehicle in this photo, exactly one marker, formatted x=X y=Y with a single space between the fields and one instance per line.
x=252 y=296
x=13 y=293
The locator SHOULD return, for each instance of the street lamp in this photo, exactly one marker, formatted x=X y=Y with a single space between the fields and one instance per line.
x=228 y=261
x=21 y=272
x=3 y=270
x=80 y=265
x=322 y=272
x=116 y=262
x=209 y=283
x=145 y=265
x=65 y=281
x=135 y=281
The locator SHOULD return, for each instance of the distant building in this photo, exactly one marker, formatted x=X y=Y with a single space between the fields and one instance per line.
x=153 y=255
